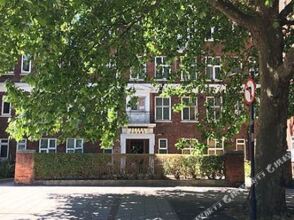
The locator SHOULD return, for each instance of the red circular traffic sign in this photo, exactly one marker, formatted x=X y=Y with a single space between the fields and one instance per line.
x=249 y=93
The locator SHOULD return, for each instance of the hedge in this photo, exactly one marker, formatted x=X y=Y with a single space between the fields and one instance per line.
x=127 y=166
x=6 y=169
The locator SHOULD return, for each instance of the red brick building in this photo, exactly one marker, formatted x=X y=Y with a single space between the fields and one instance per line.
x=153 y=127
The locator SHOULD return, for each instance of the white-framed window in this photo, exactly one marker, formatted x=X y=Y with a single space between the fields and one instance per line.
x=26 y=64
x=140 y=104
x=5 y=108
x=138 y=73
x=162 y=109
x=4 y=148
x=215 y=146
x=10 y=72
x=213 y=68
x=188 y=146
x=21 y=145
x=241 y=144
x=190 y=73
x=236 y=66
x=162 y=68
x=209 y=34
x=239 y=106
x=108 y=150
x=48 y=145
x=162 y=146
x=187 y=150
x=253 y=66
x=74 y=145
x=213 y=108
x=190 y=111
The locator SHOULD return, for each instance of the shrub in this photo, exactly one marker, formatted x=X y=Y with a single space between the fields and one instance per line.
x=191 y=166
x=212 y=167
x=6 y=169
x=126 y=166
x=71 y=166
x=173 y=166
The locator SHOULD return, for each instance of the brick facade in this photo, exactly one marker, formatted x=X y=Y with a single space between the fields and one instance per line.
x=172 y=130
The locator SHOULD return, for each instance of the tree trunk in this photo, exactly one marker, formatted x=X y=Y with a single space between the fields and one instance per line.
x=271 y=140
x=271 y=136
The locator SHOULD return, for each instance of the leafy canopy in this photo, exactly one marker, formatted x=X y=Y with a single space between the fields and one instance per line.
x=83 y=50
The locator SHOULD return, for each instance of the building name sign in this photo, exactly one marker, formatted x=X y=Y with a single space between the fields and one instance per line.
x=138 y=130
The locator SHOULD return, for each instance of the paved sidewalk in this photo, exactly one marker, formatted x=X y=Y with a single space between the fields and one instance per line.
x=109 y=203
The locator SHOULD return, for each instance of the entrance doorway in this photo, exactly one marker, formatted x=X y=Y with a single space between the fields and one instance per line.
x=137 y=146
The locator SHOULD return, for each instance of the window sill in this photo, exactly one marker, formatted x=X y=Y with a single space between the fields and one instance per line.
x=5 y=116
x=137 y=80
x=163 y=121
x=213 y=80
x=161 y=80
x=189 y=121
x=24 y=73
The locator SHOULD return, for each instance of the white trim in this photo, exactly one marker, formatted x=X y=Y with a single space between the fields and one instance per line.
x=18 y=144
x=241 y=142
x=189 y=107
x=111 y=149
x=163 y=64
x=144 y=69
x=68 y=150
x=189 y=149
x=46 y=150
x=155 y=106
x=214 y=106
x=4 y=144
x=189 y=74
x=214 y=66
x=2 y=108
x=124 y=137
x=24 y=72
x=166 y=143
x=211 y=39
x=22 y=86
x=9 y=73
x=215 y=149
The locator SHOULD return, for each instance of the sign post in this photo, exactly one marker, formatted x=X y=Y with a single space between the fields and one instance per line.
x=249 y=94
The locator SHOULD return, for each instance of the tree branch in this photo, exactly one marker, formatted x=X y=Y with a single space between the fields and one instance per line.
x=287 y=22
x=232 y=12
x=287 y=10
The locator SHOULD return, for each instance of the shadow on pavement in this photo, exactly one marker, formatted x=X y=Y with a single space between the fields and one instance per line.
x=183 y=205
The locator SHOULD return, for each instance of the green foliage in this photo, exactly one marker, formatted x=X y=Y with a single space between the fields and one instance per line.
x=83 y=51
x=6 y=169
x=188 y=143
x=103 y=166
x=70 y=166
x=211 y=167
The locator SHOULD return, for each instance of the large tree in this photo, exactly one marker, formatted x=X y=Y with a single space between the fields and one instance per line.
x=83 y=51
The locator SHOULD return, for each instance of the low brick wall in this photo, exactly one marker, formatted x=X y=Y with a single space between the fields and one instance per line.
x=234 y=168
x=24 y=167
